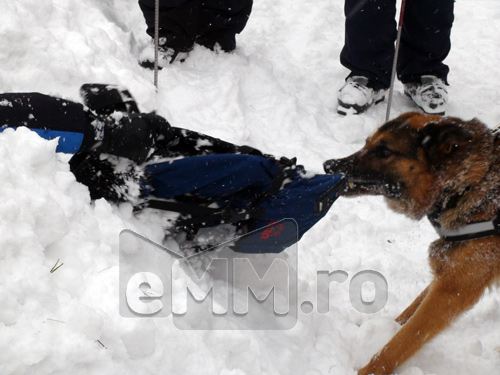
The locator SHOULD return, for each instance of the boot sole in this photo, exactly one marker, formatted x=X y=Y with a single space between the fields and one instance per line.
x=354 y=109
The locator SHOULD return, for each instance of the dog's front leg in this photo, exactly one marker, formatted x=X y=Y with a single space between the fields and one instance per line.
x=437 y=309
x=410 y=310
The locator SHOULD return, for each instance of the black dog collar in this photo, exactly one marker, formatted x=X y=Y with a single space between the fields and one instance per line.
x=470 y=231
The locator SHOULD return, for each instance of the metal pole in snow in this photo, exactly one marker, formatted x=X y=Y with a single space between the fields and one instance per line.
x=157 y=32
x=395 y=61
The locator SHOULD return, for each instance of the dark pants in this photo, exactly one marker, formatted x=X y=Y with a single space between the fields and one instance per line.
x=206 y=22
x=371 y=30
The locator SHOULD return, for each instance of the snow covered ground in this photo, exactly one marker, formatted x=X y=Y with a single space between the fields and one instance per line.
x=276 y=92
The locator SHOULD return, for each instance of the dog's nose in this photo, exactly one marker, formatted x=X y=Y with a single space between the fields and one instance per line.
x=330 y=166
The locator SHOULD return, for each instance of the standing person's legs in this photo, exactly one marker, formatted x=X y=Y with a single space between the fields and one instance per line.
x=425 y=43
x=221 y=20
x=178 y=22
x=370 y=32
x=425 y=40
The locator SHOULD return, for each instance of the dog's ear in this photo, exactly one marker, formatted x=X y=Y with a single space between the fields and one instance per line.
x=453 y=137
x=440 y=141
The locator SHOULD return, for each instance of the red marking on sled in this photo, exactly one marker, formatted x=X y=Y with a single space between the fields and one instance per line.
x=274 y=230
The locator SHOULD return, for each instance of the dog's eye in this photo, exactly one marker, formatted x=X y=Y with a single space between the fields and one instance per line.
x=383 y=152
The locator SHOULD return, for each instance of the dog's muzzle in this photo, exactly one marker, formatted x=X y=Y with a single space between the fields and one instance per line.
x=363 y=183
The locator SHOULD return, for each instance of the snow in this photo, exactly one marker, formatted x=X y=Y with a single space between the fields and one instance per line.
x=276 y=92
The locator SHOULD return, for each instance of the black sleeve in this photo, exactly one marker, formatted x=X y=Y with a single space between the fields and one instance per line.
x=129 y=135
x=184 y=142
x=44 y=112
x=134 y=135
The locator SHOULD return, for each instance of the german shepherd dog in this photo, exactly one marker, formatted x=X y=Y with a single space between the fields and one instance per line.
x=448 y=170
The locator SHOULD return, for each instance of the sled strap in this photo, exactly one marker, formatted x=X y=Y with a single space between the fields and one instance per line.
x=223 y=217
x=202 y=214
x=182 y=208
x=276 y=184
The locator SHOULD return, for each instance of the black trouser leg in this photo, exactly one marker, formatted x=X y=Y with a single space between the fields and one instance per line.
x=425 y=41
x=370 y=32
x=178 y=22
x=221 y=20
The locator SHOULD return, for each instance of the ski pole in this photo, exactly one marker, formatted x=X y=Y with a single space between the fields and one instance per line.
x=395 y=61
x=157 y=32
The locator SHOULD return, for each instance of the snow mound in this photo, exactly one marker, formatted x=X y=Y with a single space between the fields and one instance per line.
x=276 y=92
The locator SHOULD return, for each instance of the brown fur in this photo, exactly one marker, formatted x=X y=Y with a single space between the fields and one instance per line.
x=448 y=169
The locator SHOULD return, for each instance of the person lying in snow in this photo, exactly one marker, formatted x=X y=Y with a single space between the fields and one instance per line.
x=123 y=155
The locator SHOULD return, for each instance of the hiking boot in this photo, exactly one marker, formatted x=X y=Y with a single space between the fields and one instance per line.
x=430 y=94
x=356 y=96
x=166 y=55
x=218 y=40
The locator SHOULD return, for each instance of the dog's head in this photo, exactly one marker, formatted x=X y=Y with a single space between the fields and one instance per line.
x=417 y=160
